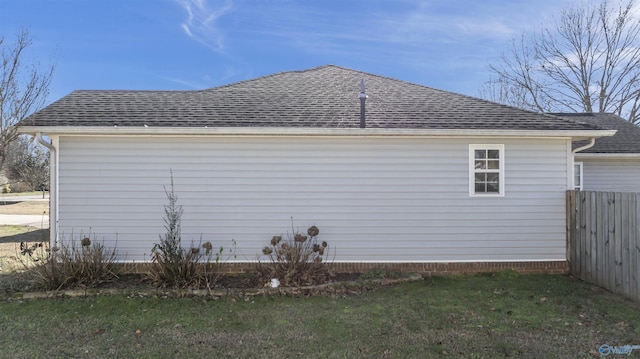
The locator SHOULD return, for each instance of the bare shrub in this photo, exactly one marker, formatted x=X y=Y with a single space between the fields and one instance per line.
x=297 y=260
x=71 y=265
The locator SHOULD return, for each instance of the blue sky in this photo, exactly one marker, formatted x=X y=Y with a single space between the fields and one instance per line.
x=196 y=44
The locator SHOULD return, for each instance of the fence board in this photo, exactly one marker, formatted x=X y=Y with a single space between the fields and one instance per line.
x=632 y=259
x=610 y=243
x=602 y=205
x=626 y=253
x=635 y=273
x=571 y=224
x=576 y=230
x=590 y=241
x=603 y=239
x=584 y=210
x=620 y=237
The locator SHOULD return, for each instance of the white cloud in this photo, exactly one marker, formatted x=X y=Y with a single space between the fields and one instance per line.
x=201 y=22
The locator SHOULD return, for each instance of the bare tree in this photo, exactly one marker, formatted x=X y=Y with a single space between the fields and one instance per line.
x=587 y=61
x=28 y=163
x=502 y=91
x=23 y=88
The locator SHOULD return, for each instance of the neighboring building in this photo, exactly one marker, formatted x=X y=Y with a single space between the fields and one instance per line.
x=612 y=163
x=434 y=177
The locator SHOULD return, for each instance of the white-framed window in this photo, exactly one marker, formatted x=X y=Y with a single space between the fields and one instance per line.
x=486 y=170
x=577 y=176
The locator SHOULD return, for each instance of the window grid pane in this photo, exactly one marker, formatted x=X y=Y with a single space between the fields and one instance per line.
x=487 y=170
x=577 y=176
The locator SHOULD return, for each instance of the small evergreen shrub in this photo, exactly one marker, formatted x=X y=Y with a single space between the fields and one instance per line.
x=74 y=266
x=197 y=267
x=177 y=267
x=298 y=260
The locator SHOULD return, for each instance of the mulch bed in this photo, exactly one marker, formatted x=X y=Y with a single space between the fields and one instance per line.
x=230 y=281
x=234 y=286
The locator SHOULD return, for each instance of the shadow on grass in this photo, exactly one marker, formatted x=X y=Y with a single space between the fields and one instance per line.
x=38 y=235
x=5 y=202
x=17 y=281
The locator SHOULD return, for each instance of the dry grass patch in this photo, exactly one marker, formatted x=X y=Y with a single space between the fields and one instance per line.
x=27 y=207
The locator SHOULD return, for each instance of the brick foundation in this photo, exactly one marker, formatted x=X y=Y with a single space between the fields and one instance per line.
x=555 y=267
x=427 y=269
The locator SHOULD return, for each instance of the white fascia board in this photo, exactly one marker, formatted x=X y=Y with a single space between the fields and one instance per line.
x=607 y=156
x=282 y=131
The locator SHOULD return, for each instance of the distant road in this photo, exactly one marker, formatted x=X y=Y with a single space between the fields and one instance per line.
x=17 y=198
x=39 y=221
x=32 y=220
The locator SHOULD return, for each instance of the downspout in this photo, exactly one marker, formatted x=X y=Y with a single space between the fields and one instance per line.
x=592 y=141
x=53 y=191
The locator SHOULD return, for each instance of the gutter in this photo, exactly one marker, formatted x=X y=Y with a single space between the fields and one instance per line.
x=609 y=156
x=307 y=132
x=53 y=191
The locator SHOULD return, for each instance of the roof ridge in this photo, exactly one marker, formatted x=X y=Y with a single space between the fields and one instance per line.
x=266 y=77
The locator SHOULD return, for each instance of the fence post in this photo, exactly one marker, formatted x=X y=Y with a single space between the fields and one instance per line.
x=570 y=218
x=573 y=245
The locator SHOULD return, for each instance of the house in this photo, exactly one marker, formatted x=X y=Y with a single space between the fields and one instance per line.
x=609 y=163
x=391 y=172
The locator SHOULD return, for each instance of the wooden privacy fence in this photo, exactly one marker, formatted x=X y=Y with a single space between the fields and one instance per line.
x=603 y=239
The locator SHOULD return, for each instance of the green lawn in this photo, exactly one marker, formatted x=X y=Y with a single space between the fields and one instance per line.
x=536 y=316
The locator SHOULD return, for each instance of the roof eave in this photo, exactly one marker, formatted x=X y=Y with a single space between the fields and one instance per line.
x=299 y=131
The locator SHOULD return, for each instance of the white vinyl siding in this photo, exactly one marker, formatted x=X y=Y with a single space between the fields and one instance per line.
x=611 y=175
x=373 y=199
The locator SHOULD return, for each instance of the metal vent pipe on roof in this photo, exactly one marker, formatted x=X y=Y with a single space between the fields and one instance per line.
x=363 y=98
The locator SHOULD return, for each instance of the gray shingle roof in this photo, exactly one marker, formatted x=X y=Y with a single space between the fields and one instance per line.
x=322 y=97
x=626 y=140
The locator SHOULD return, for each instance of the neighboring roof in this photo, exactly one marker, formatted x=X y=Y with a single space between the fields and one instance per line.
x=626 y=140
x=322 y=97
